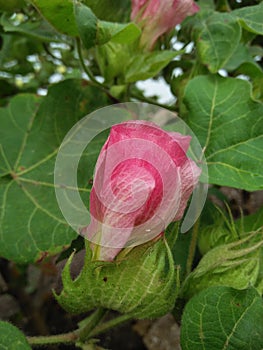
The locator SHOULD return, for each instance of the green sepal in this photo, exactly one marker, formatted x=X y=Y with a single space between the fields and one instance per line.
x=142 y=283
x=236 y=264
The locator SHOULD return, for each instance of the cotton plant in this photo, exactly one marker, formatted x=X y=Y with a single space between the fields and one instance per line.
x=91 y=167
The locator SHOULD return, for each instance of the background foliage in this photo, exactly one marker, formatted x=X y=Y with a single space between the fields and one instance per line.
x=61 y=60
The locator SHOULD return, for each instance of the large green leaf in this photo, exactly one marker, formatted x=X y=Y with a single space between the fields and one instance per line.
x=229 y=125
x=218 y=40
x=31 y=132
x=11 y=338
x=250 y=18
x=222 y=318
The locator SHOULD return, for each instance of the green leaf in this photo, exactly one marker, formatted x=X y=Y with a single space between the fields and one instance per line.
x=93 y=32
x=206 y=4
x=240 y=56
x=222 y=318
x=110 y=10
x=250 y=18
x=59 y=14
x=147 y=65
x=117 y=32
x=141 y=282
x=218 y=40
x=36 y=29
x=31 y=132
x=255 y=72
x=87 y=24
x=235 y=264
x=11 y=5
x=229 y=125
x=11 y=338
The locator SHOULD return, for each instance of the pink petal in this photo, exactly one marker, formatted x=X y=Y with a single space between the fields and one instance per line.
x=189 y=178
x=142 y=182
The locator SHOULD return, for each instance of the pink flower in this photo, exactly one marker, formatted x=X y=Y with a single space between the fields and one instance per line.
x=156 y=17
x=142 y=182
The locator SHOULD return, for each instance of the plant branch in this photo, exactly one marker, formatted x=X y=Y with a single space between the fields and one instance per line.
x=65 y=338
x=89 y=328
x=85 y=67
x=92 y=80
x=151 y=101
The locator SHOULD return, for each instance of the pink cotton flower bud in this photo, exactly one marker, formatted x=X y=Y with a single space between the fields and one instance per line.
x=142 y=182
x=156 y=17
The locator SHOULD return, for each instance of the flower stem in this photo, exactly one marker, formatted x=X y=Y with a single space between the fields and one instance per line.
x=89 y=328
x=87 y=325
x=85 y=67
x=110 y=324
x=192 y=248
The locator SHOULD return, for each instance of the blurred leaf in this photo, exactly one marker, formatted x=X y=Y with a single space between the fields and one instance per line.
x=31 y=132
x=250 y=18
x=110 y=10
x=6 y=89
x=206 y=4
x=11 y=5
x=117 y=32
x=37 y=29
x=255 y=73
x=58 y=13
x=223 y=318
x=11 y=338
x=147 y=65
x=109 y=57
x=240 y=56
x=229 y=125
x=218 y=40
x=93 y=32
x=87 y=24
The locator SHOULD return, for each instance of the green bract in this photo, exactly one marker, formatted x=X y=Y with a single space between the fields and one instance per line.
x=142 y=283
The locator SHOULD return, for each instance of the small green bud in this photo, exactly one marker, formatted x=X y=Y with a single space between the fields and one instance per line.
x=235 y=264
